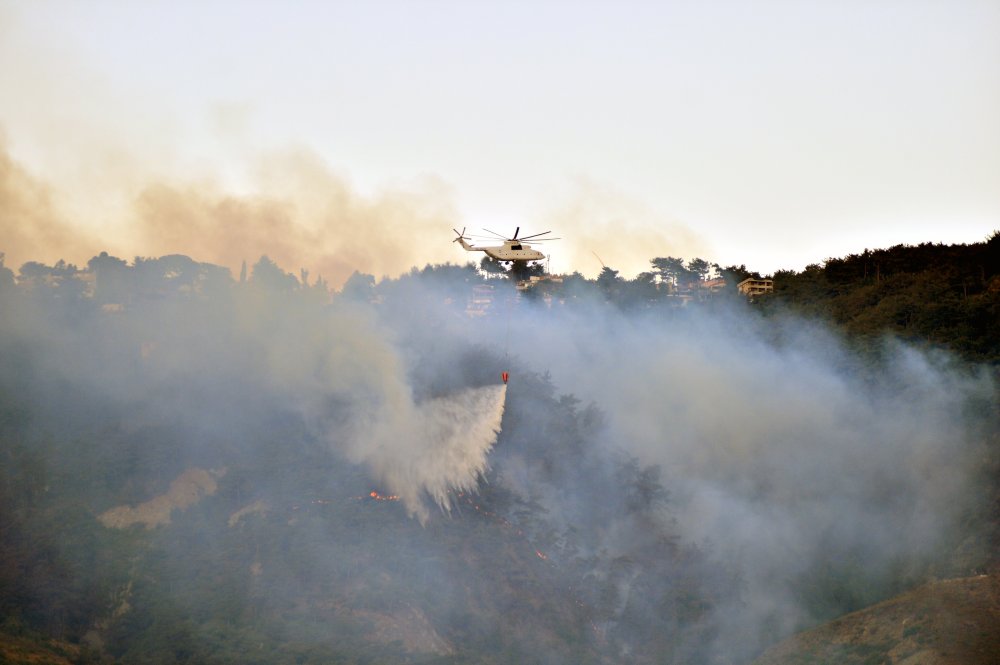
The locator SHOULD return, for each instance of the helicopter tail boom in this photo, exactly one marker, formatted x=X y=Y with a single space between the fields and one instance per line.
x=461 y=240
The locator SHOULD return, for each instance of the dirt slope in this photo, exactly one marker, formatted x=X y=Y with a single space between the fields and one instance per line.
x=19 y=650
x=951 y=622
x=185 y=491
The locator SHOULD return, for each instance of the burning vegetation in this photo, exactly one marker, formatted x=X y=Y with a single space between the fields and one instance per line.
x=375 y=496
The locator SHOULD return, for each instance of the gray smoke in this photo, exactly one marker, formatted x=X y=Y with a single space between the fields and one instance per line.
x=783 y=451
x=347 y=365
x=782 y=447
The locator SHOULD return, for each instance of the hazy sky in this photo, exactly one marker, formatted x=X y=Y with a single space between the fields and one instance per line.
x=772 y=133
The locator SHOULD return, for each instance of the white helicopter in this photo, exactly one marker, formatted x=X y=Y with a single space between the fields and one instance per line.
x=512 y=249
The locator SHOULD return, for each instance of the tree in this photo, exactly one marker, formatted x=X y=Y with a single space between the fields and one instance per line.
x=641 y=290
x=699 y=268
x=491 y=266
x=359 y=286
x=6 y=275
x=521 y=270
x=609 y=282
x=111 y=278
x=671 y=270
x=266 y=273
x=736 y=274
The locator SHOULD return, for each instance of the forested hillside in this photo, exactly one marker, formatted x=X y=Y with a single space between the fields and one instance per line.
x=201 y=468
x=942 y=295
x=296 y=553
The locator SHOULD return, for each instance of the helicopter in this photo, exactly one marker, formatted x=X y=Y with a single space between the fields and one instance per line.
x=512 y=249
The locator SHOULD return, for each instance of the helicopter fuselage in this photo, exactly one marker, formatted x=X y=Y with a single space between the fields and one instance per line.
x=511 y=250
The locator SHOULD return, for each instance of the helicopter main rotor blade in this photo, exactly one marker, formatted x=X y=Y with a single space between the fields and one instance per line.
x=534 y=236
x=516 y=231
x=497 y=234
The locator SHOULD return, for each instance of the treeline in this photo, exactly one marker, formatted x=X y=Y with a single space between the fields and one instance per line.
x=929 y=294
x=110 y=279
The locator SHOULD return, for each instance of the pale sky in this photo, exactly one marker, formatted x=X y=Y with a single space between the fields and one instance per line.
x=772 y=133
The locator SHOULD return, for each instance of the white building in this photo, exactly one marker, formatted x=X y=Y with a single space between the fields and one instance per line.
x=752 y=287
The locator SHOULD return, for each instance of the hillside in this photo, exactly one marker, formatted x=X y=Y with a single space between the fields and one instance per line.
x=942 y=295
x=200 y=469
x=950 y=622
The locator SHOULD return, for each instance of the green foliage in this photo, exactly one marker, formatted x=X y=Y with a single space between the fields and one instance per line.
x=359 y=287
x=670 y=270
x=941 y=295
x=268 y=275
x=6 y=276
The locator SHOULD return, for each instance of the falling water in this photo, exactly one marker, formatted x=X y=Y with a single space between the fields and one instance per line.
x=437 y=446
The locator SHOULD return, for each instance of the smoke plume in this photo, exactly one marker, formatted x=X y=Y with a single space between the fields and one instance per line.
x=785 y=451
x=603 y=226
x=347 y=375
x=295 y=209
x=301 y=214
x=31 y=227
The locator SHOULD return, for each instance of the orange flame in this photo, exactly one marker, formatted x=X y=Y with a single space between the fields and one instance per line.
x=383 y=497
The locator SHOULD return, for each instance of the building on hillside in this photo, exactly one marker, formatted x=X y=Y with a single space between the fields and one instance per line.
x=752 y=287
x=480 y=300
x=536 y=280
x=548 y=287
x=714 y=285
